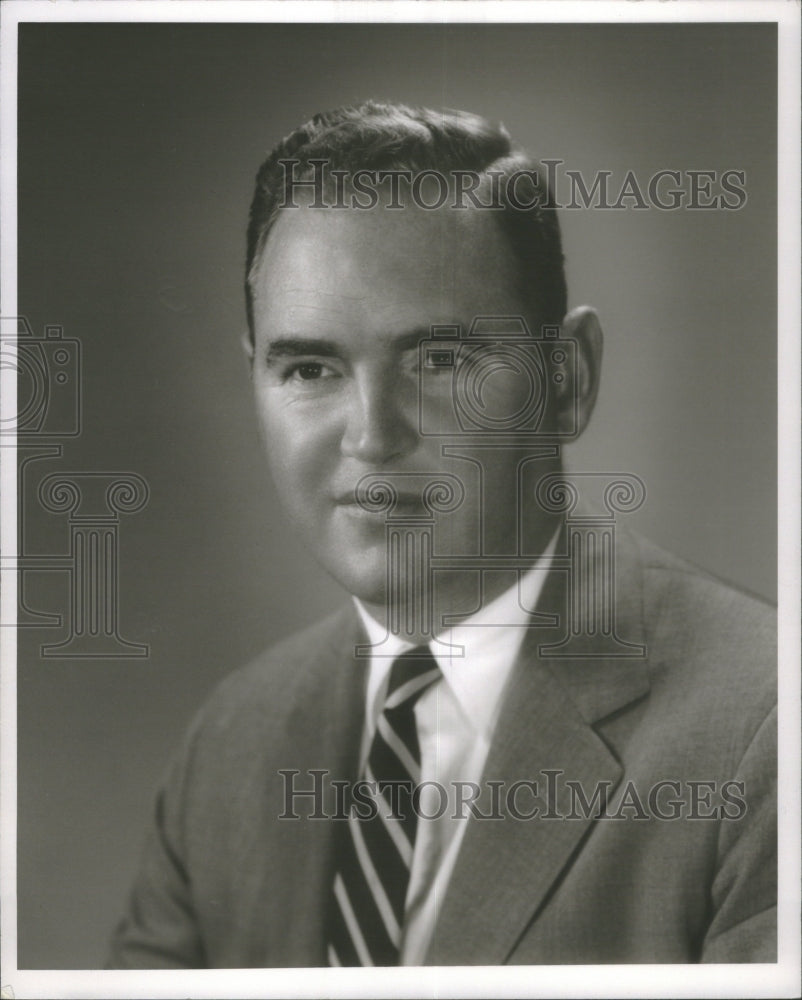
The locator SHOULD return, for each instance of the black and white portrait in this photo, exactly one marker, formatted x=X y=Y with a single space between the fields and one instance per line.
x=390 y=564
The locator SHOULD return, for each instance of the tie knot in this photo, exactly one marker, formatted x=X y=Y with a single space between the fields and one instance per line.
x=412 y=673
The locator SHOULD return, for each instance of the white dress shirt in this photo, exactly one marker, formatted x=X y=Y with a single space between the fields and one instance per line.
x=455 y=718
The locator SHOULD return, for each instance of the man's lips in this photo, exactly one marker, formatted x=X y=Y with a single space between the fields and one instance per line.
x=367 y=503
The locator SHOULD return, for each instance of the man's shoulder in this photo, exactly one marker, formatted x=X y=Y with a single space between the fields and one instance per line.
x=295 y=668
x=674 y=587
x=715 y=642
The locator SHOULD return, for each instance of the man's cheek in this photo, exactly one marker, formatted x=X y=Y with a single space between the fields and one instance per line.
x=303 y=474
x=286 y=446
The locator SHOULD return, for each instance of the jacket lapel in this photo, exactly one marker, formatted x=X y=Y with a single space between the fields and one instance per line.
x=507 y=867
x=325 y=722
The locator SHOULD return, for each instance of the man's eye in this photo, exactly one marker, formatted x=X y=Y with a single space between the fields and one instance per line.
x=307 y=371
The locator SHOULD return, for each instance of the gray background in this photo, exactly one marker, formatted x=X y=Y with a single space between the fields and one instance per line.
x=137 y=150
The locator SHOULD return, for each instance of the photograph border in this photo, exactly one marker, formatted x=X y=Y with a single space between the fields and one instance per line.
x=553 y=981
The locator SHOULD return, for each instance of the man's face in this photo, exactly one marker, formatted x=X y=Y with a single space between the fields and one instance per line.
x=341 y=301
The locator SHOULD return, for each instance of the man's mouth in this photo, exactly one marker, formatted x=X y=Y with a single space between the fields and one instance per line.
x=380 y=504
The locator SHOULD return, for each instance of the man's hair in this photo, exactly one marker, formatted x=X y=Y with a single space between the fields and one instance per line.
x=377 y=137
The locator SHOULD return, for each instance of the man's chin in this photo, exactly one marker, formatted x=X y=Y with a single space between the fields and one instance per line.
x=362 y=576
x=362 y=568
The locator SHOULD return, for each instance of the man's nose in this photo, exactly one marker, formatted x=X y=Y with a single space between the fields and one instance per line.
x=381 y=422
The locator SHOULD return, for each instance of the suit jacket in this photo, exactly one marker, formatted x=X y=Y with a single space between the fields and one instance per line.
x=225 y=883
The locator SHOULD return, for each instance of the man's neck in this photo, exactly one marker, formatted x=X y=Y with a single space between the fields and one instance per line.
x=456 y=594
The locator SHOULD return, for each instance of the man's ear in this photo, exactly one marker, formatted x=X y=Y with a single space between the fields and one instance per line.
x=247 y=346
x=574 y=408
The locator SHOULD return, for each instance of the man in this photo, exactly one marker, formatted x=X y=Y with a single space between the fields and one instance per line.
x=532 y=737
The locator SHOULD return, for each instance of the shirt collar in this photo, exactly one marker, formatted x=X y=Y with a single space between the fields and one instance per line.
x=489 y=640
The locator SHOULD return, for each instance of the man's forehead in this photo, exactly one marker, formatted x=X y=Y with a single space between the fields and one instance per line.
x=308 y=312
x=343 y=257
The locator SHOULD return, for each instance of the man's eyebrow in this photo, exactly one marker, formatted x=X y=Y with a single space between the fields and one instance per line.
x=295 y=347
x=412 y=338
x=299 y=347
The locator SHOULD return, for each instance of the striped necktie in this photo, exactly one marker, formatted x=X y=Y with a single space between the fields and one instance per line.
x=375 y=856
